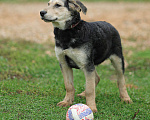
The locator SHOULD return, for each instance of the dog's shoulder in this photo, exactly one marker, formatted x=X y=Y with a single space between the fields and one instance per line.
x=74 y=37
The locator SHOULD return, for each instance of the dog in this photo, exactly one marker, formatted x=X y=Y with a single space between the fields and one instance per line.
x=83 y=45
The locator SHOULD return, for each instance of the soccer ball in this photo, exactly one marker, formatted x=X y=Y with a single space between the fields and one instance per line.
x=79 y=112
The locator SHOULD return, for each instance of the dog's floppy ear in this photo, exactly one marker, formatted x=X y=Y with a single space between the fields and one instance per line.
x=77 y=5
x=83 y=8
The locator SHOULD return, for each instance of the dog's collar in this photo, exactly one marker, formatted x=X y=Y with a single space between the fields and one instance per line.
x=74 y=25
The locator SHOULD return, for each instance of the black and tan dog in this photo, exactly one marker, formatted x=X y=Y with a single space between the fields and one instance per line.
x=82 y=45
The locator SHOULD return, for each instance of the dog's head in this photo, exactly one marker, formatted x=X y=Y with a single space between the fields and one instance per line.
x=60 y=11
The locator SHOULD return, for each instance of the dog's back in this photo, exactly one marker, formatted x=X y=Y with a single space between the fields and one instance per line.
x=106 y=41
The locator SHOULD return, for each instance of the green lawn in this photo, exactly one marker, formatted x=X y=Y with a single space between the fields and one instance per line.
x=31 y=84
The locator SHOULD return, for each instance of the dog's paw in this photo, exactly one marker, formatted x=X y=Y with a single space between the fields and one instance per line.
x=64 y=104
x=127 y=100
x=81 y=94
x=93 y=108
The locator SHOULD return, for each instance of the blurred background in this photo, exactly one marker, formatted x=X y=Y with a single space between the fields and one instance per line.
x=20 y=19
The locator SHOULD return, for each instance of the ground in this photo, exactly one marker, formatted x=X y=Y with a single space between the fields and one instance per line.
x=132 y=20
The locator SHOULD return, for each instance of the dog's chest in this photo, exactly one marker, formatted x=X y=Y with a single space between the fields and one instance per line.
x=67 y=43
x=68 y=38
x=74 y=57
x=70 y=48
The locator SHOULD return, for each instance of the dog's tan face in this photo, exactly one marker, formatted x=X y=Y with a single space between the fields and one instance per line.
x=56 y=12
x=60 y=11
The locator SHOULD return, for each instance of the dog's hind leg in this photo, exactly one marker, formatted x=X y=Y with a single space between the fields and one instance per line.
x=97 y=79
x=118 y=64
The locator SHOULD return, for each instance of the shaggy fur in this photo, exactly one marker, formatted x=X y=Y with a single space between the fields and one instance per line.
x=83 y=46
x=101 y=38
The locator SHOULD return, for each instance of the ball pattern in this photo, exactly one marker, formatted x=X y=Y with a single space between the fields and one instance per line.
x=79 y=112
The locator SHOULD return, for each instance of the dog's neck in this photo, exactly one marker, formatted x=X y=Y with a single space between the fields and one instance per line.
x=72 y=22
x=74 y=25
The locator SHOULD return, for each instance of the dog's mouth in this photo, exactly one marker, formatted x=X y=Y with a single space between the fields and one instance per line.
x=47 y=20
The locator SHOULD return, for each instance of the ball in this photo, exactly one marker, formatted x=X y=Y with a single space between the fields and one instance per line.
x=79 y=112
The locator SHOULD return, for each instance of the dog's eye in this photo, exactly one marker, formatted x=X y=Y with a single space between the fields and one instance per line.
x=48 y=4
x=57 y=5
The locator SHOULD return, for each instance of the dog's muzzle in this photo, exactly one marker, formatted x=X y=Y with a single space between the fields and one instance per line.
x=43 y=13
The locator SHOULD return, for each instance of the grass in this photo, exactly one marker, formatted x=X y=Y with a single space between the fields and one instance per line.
x=31 y=84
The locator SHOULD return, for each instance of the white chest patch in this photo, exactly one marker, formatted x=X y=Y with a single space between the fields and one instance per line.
x=77 y=55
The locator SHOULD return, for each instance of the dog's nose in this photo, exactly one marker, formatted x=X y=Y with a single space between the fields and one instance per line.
x=42 y=13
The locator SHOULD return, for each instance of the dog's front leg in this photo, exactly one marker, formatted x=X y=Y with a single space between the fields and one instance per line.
x=97 y=79
x=90 y=89
x=68 y=80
